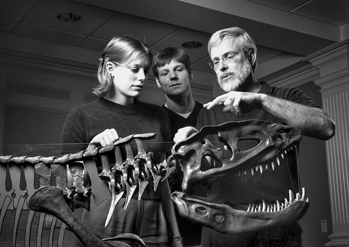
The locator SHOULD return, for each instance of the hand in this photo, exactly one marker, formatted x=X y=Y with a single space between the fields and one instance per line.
x=237 y=102
x=184 y=133
x=106 y=137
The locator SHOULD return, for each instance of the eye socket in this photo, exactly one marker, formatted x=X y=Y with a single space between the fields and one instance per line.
x=201 y=210
x=230 y=56
x=179 y=69
x=202 y=141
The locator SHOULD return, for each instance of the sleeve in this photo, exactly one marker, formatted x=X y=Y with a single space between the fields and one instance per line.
x=297 y=96
x=210 y=117
x=75 y=132
x=200 y=120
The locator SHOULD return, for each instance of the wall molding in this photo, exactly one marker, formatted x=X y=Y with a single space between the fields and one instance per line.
x=43 y=64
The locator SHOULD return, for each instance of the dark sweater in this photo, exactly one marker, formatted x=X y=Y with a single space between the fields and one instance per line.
x=144 y=217
x=178 y=121
x=86 y=121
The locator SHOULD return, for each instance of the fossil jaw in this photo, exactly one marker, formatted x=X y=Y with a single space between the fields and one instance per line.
x=222 y=217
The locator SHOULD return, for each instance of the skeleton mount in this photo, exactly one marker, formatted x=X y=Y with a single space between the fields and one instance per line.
x=114 y=171
x=75 y=178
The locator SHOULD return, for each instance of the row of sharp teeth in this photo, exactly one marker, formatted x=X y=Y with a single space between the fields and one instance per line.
x=277 y=206
x=261 y=167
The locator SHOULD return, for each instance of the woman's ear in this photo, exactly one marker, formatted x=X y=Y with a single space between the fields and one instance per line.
x=109 y=66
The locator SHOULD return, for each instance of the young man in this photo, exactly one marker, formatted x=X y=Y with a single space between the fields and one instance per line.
x=233 y=57
x=171 y=68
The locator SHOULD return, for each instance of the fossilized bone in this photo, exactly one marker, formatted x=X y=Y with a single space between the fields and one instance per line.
x=50 y=200
x=75 y=183
x=274 y=141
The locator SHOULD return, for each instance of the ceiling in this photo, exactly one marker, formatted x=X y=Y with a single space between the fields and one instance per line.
x=285 y=31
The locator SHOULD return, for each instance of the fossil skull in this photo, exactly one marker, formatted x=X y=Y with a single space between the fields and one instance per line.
x=271 y=141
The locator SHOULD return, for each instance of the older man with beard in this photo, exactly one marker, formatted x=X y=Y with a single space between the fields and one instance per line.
x=233 y=56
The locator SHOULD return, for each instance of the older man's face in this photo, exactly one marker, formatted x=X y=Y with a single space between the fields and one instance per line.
x=230 y=64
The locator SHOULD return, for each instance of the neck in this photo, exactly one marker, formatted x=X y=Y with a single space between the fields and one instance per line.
x=119 y=99
x=179 y=104
x=250 y=85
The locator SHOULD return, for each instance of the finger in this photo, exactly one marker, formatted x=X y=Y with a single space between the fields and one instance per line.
x=228 y=101
x=104 y=141
x=109 y=136
x=114 y=134
x=92 y=145
x=228 y=108
x=217 y=101
x=236 y=105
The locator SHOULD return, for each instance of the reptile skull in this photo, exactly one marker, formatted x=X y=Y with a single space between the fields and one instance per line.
x=271 y=141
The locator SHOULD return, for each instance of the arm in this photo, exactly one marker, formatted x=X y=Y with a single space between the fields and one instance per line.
x=311 y=121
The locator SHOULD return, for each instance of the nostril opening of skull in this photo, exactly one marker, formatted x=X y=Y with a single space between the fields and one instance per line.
x=201 y=210
x=284 y=132
x=219 y=217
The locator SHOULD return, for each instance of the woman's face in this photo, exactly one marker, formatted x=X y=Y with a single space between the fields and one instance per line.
x=129 y=80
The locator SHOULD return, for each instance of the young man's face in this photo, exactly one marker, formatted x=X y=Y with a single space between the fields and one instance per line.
x=230 y=65
x=173 y=78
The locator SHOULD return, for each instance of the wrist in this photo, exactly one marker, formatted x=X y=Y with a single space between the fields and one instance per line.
x=262 y=101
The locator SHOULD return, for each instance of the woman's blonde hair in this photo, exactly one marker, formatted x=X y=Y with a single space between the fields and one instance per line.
x=120 y=50
x=242 y=40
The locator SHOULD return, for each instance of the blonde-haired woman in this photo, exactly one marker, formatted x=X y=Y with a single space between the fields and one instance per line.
x=122 y=74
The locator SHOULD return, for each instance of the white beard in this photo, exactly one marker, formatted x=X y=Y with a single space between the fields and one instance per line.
x=238 y=79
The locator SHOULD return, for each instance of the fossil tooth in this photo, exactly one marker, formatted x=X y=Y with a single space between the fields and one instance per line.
x=263 y=206
x=277 y=205
x=297 y=197
x=303 y=194
x=291 y=196
x=249 y=207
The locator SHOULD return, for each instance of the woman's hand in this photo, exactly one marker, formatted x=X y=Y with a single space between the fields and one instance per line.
x=104 y=138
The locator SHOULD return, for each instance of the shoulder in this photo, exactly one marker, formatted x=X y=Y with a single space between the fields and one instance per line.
x=152 y=109
x=83 y=109
x=292 y=94
x=198 y=105
x=279 y=92
x=213 y=116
